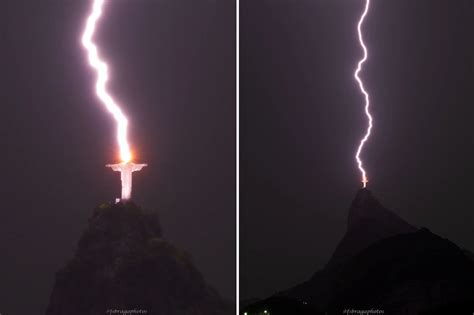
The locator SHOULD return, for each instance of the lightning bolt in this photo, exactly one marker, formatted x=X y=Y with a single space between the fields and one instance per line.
x=102 y=78
x=367 y=99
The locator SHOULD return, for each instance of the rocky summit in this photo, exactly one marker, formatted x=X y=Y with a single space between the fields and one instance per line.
x=368 y=221
x=123 y=263
x=383 y=264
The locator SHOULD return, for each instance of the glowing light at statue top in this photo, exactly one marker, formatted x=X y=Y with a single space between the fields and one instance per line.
x=102 y=78
x=366 y=94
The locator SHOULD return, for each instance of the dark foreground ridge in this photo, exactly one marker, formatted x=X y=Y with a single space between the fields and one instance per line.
x=383 y=263
x=123 y=263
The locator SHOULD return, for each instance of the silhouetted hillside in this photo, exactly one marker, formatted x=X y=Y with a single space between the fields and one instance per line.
x=123 y=263
x=367 y=222
x=405 y=274
x=278 y=305
x=384 y=263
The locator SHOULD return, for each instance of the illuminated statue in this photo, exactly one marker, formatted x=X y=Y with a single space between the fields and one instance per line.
x=126 y=170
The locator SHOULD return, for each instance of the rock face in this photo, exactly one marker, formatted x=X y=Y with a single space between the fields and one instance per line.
x=368 y=221
x=123 y=263
x=384 y=263
x=406 y=274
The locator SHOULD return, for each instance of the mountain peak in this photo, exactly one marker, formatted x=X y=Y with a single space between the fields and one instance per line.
x=363 y=206
x=384 y=261
x=122 y=261
x=368 y=222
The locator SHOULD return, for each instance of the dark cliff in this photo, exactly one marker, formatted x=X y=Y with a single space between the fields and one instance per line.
x=367 y=222
x=384 y=263
x=123 y=263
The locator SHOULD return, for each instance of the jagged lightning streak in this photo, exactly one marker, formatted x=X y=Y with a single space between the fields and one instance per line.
x=367 y=100
x=102 y=78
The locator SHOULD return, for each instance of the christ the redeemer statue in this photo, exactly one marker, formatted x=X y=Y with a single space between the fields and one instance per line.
x=126 y=170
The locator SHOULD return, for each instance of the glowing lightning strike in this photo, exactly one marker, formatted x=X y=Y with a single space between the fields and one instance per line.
x=102 y=78
x=367 y=101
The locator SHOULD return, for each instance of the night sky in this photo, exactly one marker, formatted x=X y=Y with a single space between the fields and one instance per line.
x=302 y=117
x=172 y=66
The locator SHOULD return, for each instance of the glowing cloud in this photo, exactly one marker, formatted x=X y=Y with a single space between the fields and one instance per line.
x=102 y=78
x=367 y=100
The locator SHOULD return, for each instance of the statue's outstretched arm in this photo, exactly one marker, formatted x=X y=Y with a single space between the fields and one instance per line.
x=115 y=167
x=137 y=167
